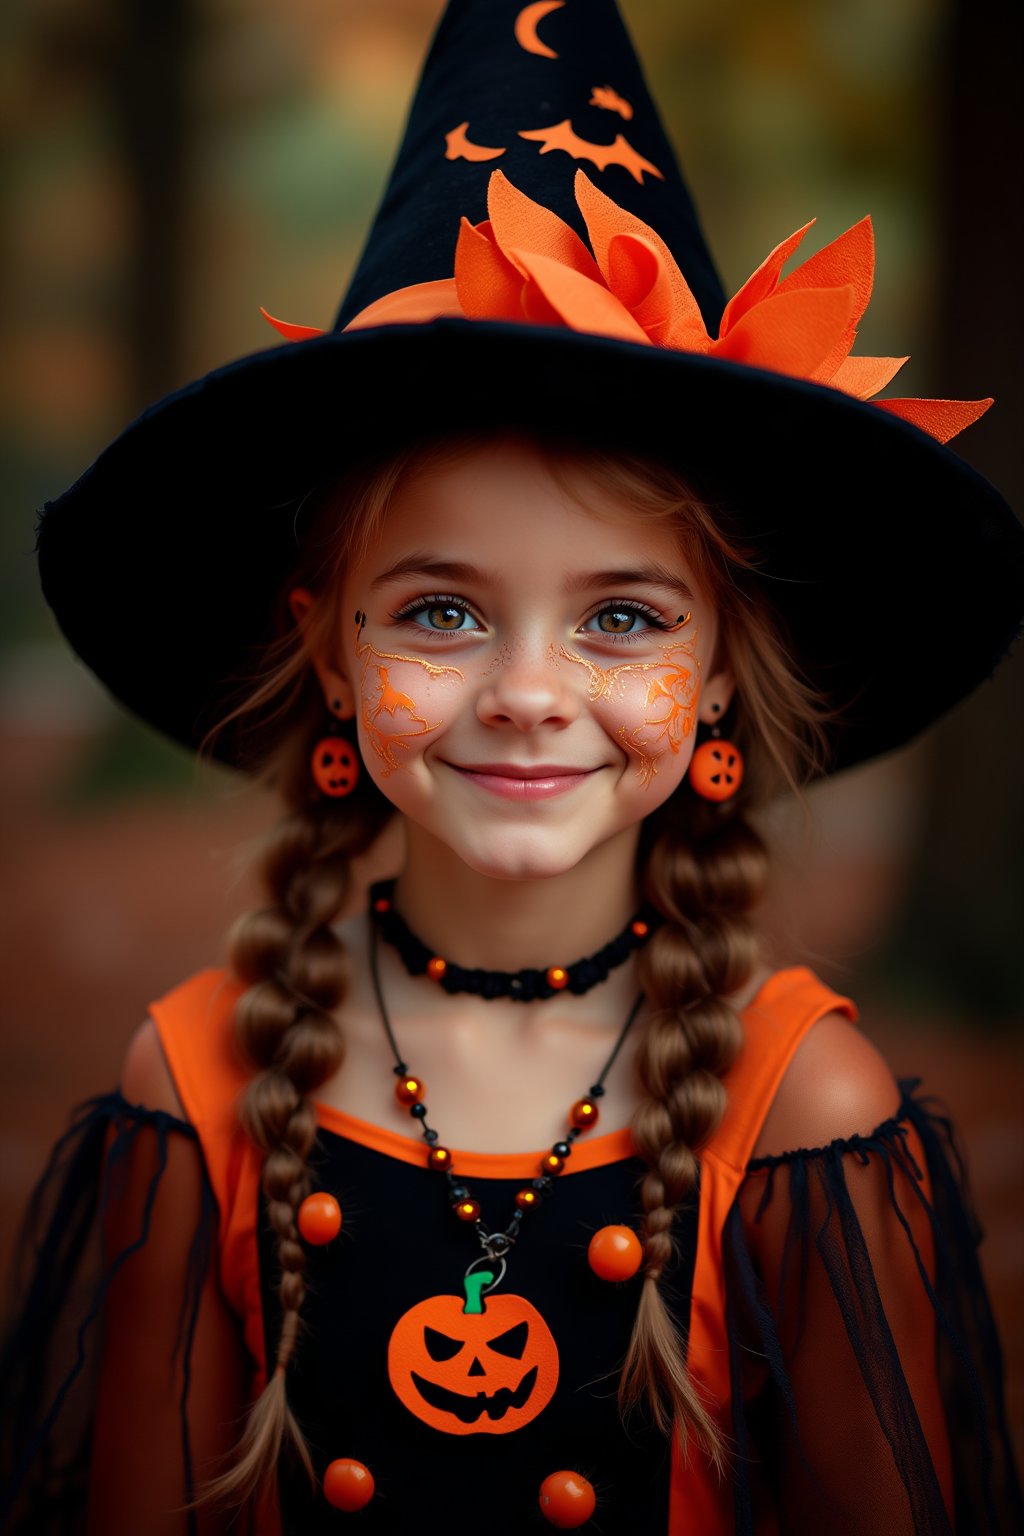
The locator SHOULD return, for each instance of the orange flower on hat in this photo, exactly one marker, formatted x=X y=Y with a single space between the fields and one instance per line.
x=524 y=263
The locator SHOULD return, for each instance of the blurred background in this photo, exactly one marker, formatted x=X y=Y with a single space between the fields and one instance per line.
x=171 y=167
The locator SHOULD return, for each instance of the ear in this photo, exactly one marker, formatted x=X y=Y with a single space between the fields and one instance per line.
x=716 y=696
x=335 y=684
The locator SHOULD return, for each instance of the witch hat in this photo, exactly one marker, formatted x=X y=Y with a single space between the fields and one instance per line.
x=537 y=261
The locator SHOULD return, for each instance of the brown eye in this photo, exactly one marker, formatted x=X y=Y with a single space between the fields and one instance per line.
x=446 y=617
x=616 y=621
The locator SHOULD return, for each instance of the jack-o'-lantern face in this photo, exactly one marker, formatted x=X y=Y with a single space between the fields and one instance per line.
x=465 y=1368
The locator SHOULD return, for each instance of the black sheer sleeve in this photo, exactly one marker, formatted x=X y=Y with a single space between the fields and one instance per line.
x=61 y=1271
x=867 y=1372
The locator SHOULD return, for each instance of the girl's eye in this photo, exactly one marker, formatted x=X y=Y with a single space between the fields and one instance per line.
x=442 y=615
x=624 y=619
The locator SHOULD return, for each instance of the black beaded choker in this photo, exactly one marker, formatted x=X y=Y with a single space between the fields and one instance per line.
x=525 y=986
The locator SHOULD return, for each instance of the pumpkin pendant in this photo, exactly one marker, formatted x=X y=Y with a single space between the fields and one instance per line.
x=472 y=1367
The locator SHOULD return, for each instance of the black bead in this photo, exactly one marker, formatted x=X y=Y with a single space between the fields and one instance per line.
x=458 y=1192
x=562 y=1149
x=543 y=1184
x=596 y=1092
x=418 y=1110
x=573 y=1133
x=429 y=1136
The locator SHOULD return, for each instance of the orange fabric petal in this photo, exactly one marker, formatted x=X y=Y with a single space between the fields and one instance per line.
x=639 y=280
x=420 y=301
x=865 y=376
x=850 y=258
x=941 y=419
x=291 y=332
x=760 y=284
x=517 y=221
x=685 y=328
x=487 y=283
x=790 y=332
x=583 y=305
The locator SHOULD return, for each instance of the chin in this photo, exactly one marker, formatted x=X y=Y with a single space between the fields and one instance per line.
x=511 y=858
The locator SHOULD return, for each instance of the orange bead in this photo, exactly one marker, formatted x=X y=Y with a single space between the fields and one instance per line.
x=567 y=1500
x=552 y=1163
x=319 y=1218
x=640 y=929
x=583 y=1113
x=526 y=1199
x=467 y=1210
x=716 y=769
x=558 y=977
x=410 y=1090
x=348 y=1484
x=436 y=968
x=440 y=1157
x=615 y=1253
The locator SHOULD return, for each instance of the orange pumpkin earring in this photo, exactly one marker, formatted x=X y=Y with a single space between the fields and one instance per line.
x=335 y=762
x=335 y=766
x=716 y=768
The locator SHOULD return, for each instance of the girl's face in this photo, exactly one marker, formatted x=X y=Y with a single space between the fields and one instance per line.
x=527 y=676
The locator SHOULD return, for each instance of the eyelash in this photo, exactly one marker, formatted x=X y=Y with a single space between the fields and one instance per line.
x=406 y=615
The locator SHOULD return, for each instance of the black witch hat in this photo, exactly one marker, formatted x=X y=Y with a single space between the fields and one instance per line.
x=537 y=262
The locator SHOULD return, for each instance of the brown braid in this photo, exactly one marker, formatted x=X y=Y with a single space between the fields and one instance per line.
x=703 y=882
x=702 y=866
x=297 y=970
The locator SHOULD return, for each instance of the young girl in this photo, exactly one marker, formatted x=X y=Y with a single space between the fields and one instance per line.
x=538 y=1193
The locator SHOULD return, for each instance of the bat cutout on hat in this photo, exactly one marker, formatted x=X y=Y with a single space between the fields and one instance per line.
x=524 y=263
x=619 y=152
x=608 y=98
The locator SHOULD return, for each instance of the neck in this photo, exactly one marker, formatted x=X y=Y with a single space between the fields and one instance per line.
x=504 y=925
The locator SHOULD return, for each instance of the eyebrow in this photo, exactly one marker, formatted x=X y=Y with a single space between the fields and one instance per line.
x=649 y=574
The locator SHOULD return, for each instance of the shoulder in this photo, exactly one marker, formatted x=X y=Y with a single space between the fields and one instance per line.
x=836 y=1085
x=145 y=1076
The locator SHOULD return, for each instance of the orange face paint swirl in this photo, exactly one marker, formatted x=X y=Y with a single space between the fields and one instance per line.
x=670 y=694
x=381 y=699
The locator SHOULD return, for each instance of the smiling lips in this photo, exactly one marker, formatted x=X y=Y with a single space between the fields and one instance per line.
x=517 y=781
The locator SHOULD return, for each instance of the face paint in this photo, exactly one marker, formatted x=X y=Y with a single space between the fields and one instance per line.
x=670 y=695
x=381 y=699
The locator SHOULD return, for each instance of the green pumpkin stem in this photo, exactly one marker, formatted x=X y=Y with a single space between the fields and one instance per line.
x=472 y=1285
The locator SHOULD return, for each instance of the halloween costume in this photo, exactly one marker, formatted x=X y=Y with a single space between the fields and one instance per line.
x=537 y=244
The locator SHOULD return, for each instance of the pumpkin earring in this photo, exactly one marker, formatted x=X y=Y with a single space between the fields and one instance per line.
x=716 y=768
x=335 y=762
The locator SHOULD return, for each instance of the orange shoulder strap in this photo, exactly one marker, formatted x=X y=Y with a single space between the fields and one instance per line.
x=195 y=1023
x=786 y=1007
x=773 y=1026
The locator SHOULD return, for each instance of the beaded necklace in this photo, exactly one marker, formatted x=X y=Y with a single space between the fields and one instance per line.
x=410 y=1091
x=503 y=1327
x=524 y=986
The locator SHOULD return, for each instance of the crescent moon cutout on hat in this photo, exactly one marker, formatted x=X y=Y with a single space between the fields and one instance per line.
x=526 y=27
x=460 y=147
x=619 y=152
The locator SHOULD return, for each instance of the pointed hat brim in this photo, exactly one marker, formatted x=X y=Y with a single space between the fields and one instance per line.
x=899 y=569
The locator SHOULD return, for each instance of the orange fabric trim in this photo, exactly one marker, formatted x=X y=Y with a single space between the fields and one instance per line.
x=588 y=1152
x=194 y=1025
x=776 y=1021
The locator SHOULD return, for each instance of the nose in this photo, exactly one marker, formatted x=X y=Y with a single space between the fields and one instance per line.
x=528 y=690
